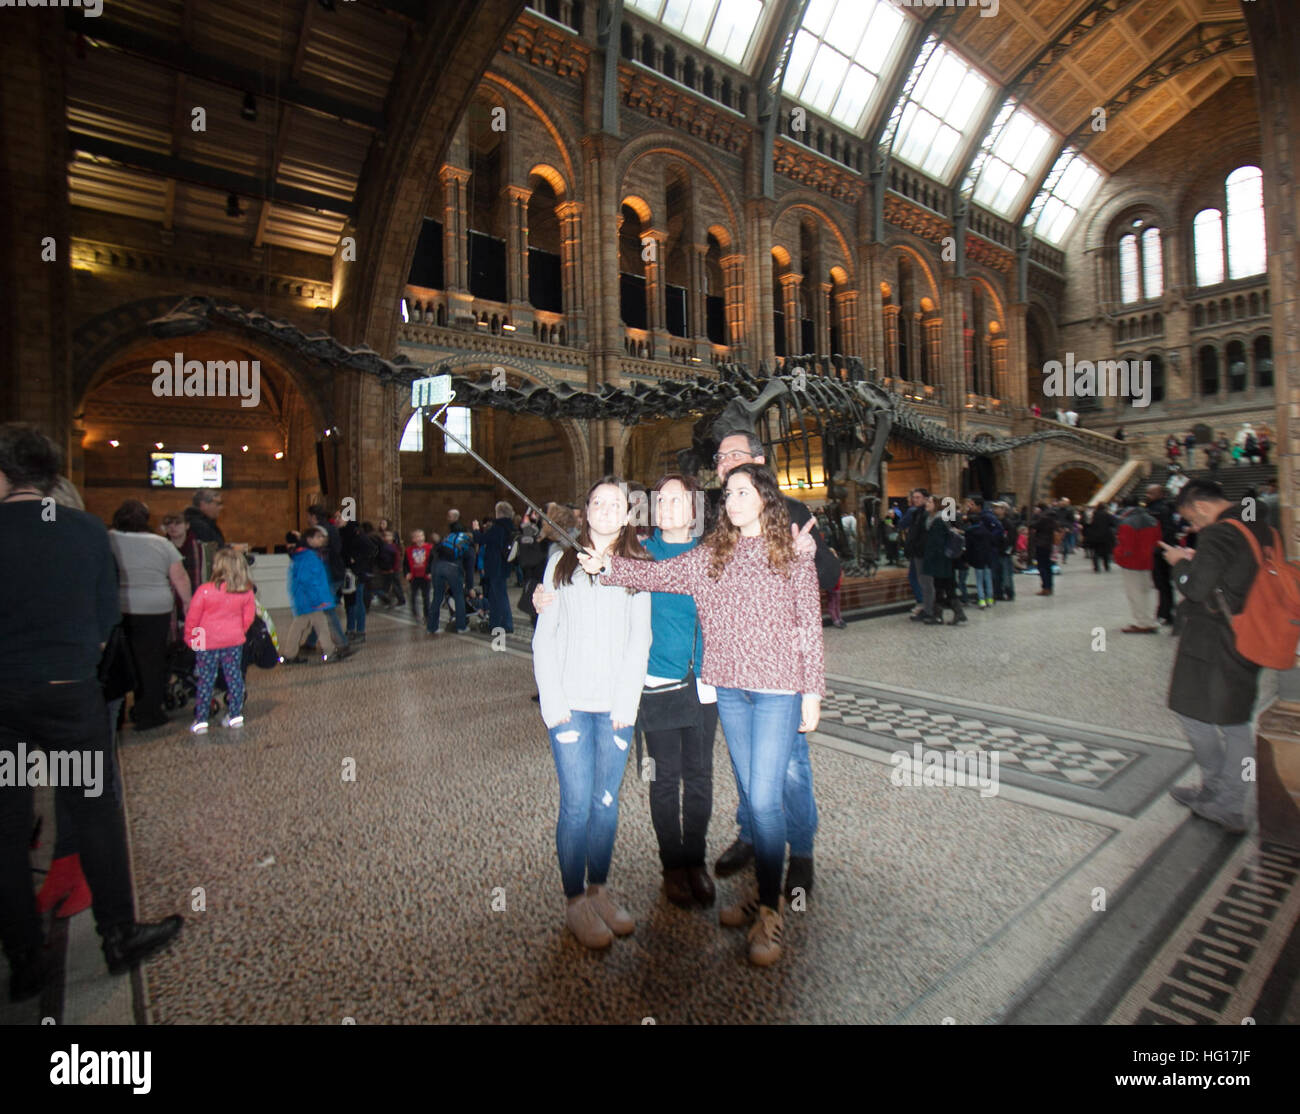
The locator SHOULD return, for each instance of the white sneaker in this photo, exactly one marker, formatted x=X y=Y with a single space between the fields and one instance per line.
x=585 y=923
x=200 y=728
x=232 y=721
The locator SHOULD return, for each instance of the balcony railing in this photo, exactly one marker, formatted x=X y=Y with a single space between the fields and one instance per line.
x=1097 y=442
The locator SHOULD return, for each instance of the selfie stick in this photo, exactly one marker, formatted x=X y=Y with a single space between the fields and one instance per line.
x=561 y=533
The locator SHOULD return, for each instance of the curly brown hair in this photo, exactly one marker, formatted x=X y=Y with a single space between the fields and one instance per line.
x=774 y=521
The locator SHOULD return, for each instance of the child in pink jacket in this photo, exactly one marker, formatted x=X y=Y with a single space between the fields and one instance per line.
x=215 y=624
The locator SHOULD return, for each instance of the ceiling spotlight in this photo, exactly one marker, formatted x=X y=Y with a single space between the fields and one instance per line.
x=115 y=443
x=157 y=444
x=205 y=448
x=508 y=328
x=243 y=448
x=232 y=206
x=279 y=456
x=249 y=110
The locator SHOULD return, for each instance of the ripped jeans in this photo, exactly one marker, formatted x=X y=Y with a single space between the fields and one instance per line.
x=590 y=757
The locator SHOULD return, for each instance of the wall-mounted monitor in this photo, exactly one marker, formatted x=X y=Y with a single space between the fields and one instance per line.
x=184 y=469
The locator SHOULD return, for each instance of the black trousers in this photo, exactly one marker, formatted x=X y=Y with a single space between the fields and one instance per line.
x=1100 y=554
x=69 y=717
x=147 y=637
x=681 y=792
x=1160 y=575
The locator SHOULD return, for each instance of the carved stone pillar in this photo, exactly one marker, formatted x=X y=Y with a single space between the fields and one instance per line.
x=1017 y=386
x=696 y=318
x=848 y=311
x=653 y=243
x=571 y=275
x=890 y=314
x=733 y=279
x=790 y=284
x=932 y=338
x=455 y=254
x=516 y=199
x=822 y=317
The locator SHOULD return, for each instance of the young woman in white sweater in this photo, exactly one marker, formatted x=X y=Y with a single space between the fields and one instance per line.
x=589 y=659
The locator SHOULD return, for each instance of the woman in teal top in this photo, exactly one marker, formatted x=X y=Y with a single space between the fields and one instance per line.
x=679 y=722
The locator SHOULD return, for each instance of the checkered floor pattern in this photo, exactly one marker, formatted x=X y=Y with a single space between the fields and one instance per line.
x=1071 y=761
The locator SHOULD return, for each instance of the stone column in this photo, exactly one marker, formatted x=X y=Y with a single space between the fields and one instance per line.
x=697 y=320
x=656 y=306
x=998 y=378
x=889 y=366
x=759 y=307
x=932 y=338
x=822 y=317
x=455 y=254
x=790 y=284
x=1017 y=387
x=847 y=301
x=516 y=199
x=571 y=270
x=733 y=277
x=871 y=322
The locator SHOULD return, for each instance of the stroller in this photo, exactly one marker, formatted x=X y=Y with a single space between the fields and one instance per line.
x=261 y=648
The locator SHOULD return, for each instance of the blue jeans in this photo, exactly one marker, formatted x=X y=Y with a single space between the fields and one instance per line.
x=447 y=576
x=984 y=584
x=589 y=758
x=797 y=798
x=914 y=576
x=761 y=730
x=357 y=612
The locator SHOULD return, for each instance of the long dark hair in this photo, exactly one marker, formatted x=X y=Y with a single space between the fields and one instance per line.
x=774 y=520
x=625 y=545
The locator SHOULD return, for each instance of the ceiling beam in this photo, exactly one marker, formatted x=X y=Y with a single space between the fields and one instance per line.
x=770 y=79
x=201 y=174
x=178 y=55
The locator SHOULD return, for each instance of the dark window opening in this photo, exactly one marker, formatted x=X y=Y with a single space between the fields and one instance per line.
x=545 y=281
x=715 y=316
x=426 y=265
x=487 y=267
x=778 y=328
x=631 y=301
x=675 y=299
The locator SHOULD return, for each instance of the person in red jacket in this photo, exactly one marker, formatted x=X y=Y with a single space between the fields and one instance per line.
x=215 y=624
x=419 y=568
x=1139 y=533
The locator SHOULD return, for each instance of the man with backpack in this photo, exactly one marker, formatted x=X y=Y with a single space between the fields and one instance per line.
x=1231 y=622
x=449 y=573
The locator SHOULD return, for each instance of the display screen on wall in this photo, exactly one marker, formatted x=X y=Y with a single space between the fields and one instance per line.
x=184 y=469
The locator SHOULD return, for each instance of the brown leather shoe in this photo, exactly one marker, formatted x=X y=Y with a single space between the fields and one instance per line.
x=677 y=887
x=1044 y=592
x=701 y=884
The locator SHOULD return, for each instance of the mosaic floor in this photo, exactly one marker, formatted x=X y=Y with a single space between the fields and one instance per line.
x=378 y=843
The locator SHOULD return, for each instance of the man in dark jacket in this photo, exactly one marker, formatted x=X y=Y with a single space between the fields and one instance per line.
x=201 y=516
x=1162 y=510
x=464 y=546
x=59 y=612
x=1042 y=536
x=495 y=541
x=912 y=531
x=1213 y=688
x=1004 y=549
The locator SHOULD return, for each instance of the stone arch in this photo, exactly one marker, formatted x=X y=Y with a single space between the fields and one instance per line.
x=520 y=86
x=991 y=291
x=1131 y=201
x=675 y=146
x=890 y=260
x=552 y=178
x=574 y=430
x=811 y=204
x=639 y=206
x=104 y=340
x=1072 y=466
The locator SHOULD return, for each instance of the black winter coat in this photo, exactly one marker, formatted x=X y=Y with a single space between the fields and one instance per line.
x=1211 y=682
x=979 y=545
x=1100 y=532
x=936 y=562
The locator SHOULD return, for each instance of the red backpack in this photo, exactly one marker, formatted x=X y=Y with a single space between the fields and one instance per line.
x=1267 y=629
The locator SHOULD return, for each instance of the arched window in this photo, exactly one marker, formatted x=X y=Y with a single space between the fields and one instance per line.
x=1207 y=242
x=1141 y=264
x=1246 y=250
x=1264 y=362
x=1157 y=379
x=1209 y=359
x=1236 y=366
x=413 y=434
x=1240 y=240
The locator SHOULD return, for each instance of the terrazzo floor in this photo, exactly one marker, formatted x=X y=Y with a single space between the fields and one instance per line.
x=425 y=890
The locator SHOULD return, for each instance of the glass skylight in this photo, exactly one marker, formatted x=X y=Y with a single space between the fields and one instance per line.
x=1075 y=179
x=727 y=28
x=840 y=53
x=945 y=105
x=1017 y=156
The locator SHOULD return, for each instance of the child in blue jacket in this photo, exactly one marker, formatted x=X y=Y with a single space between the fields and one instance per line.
x=310 y=594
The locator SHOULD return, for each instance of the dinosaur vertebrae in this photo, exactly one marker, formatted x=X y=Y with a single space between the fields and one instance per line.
x=846 y=403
